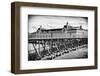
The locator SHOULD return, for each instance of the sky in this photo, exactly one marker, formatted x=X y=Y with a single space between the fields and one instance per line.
x=51 y=22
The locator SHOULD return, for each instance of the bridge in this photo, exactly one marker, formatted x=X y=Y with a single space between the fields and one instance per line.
x=46 y=47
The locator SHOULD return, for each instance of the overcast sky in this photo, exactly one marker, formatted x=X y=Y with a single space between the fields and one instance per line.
x=50 y=22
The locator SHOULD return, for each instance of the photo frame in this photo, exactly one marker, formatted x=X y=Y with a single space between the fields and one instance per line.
x=52 y=37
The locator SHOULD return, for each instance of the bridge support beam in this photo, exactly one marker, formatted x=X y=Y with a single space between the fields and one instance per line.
x=36 y=50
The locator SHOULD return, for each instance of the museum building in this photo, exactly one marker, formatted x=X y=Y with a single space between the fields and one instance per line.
x=66 y=32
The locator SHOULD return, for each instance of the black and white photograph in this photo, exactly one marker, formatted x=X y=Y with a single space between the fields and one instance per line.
x=57 y=37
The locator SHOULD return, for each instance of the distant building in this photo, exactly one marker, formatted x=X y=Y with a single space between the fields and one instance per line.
x=66 y=32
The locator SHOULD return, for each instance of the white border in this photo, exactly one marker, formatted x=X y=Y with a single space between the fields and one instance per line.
x=25 y=64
